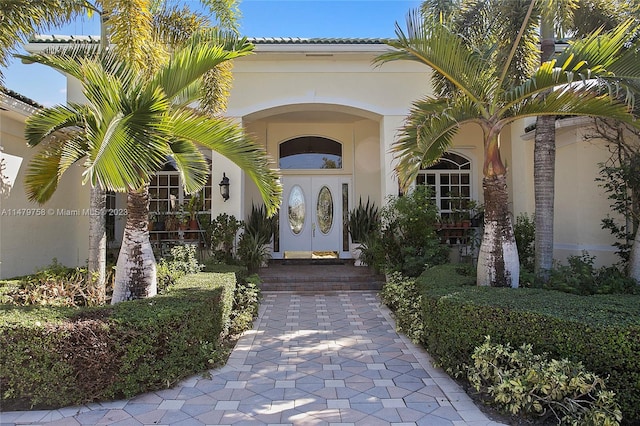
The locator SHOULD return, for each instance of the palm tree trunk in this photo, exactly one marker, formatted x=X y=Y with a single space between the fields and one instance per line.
x=136 y=267
x=97 y=265
x=498 y=262
x=544 y=159
x=634 y=259
x=544 y=156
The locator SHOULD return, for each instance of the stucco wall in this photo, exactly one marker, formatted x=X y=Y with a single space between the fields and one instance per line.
x=29 y=241
x=580 y=204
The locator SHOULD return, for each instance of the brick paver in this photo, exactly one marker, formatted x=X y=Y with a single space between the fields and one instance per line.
x=311 y=359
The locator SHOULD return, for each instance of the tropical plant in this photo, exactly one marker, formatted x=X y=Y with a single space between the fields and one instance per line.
x=140 y=31
x=407 y=241
x=558 y=16
x=260 y=224
x=131 y=124
x=363 y=220
x=485 y=94
x=221 y=233
x=253 y=251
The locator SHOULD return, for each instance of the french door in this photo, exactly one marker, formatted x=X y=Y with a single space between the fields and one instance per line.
x=311 y=217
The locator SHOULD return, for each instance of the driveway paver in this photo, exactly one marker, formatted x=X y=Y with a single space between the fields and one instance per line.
x=330 y=358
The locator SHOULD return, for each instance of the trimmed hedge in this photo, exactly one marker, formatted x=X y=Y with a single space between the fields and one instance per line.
x=57 y=357
x=602 y=332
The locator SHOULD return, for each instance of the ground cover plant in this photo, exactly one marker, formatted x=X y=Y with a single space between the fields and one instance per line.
x=61 y=355
x=602 y=331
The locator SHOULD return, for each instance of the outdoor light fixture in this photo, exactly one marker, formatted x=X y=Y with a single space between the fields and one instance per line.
x=224 y=187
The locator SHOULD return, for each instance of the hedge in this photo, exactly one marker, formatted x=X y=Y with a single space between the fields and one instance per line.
x=57 y=357
x=602 y=332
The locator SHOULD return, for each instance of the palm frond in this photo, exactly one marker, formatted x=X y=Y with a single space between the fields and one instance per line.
x=445 y=52
x=192 y=62
x=192 y=166
x=173 y=25
x=46 y=122
x=427 y=133
x=20 y=19
x=227 y=12
x=48 y=165
x=578 y=99
x=229 y=140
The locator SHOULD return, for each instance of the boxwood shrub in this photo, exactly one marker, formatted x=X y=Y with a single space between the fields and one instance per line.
x=601 y=331
x=54 y=357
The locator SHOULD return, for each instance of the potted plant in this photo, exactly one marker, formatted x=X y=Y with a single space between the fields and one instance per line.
x=364 y=220
x=194 y=207
x=260 y=228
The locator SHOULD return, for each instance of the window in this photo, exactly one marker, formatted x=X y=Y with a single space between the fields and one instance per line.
x=167 y=194
x=310 y=152
x=450 y=181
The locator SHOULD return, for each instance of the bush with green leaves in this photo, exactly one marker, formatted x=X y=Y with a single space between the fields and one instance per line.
x=401 y=295
x=364 y=220
x=58 y=356
x=245 y=304
x=222 y=232
x=522 y=382
x=524 y=231
x=182 y=260
x=600 y=331
x=580 y=276
x=408 y=242
x=55 y=285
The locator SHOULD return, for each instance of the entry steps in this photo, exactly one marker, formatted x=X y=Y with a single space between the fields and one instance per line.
x=318 y=275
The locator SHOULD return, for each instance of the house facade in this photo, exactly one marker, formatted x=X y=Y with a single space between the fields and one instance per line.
x=327 y=117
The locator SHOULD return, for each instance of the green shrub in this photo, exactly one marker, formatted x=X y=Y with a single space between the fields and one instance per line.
x=521 y=382
x=223 y=231
x=55 y=356
x=524 y=231
x=245 y=304
x=579 y=276
x=408 y=242
x=401 y=295
x=601 y=331
x=55 y=285
x=181 y=261
x=364 y=220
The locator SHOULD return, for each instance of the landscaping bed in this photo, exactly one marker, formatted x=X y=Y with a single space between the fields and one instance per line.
x=600 y=331
x=58 y=356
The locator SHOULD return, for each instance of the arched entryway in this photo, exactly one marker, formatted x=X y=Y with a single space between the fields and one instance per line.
x=315 y=203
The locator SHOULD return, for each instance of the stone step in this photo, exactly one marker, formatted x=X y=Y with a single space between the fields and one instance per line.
x=301 y=275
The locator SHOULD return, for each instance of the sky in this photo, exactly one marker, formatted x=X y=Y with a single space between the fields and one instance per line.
x=260 y=18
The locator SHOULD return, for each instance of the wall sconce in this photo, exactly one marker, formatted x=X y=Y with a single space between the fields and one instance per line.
x=224 y=187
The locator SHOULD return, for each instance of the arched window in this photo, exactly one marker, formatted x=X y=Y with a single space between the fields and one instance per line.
x=310 y=152
x=450 y=180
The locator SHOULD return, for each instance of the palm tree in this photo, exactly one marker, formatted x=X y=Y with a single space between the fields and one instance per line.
x=580 y=18
x=130 y=126
x=140 y=30
x=484 y=95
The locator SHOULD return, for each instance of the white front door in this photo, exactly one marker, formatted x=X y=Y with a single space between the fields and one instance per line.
x=311 y=214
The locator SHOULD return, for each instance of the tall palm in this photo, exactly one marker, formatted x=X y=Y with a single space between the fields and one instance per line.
x=130 y=126
x=485 y=96
x=559 y=16
x=140 y=30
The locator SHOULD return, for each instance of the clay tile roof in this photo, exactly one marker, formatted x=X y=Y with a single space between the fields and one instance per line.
x=19 y=97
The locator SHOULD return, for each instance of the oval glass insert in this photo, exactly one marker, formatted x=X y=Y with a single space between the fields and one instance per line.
x=324 y=210
x=296 y=209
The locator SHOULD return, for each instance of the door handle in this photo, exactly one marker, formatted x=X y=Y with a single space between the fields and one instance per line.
x=313 y=228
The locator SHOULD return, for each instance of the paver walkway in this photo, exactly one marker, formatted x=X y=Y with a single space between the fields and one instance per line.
x=311 y=359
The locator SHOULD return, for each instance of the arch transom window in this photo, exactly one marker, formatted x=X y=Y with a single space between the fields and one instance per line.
x=310 y=152
x=450 y=181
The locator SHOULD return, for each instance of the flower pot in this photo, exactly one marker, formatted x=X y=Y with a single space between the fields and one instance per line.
x=355 y=254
